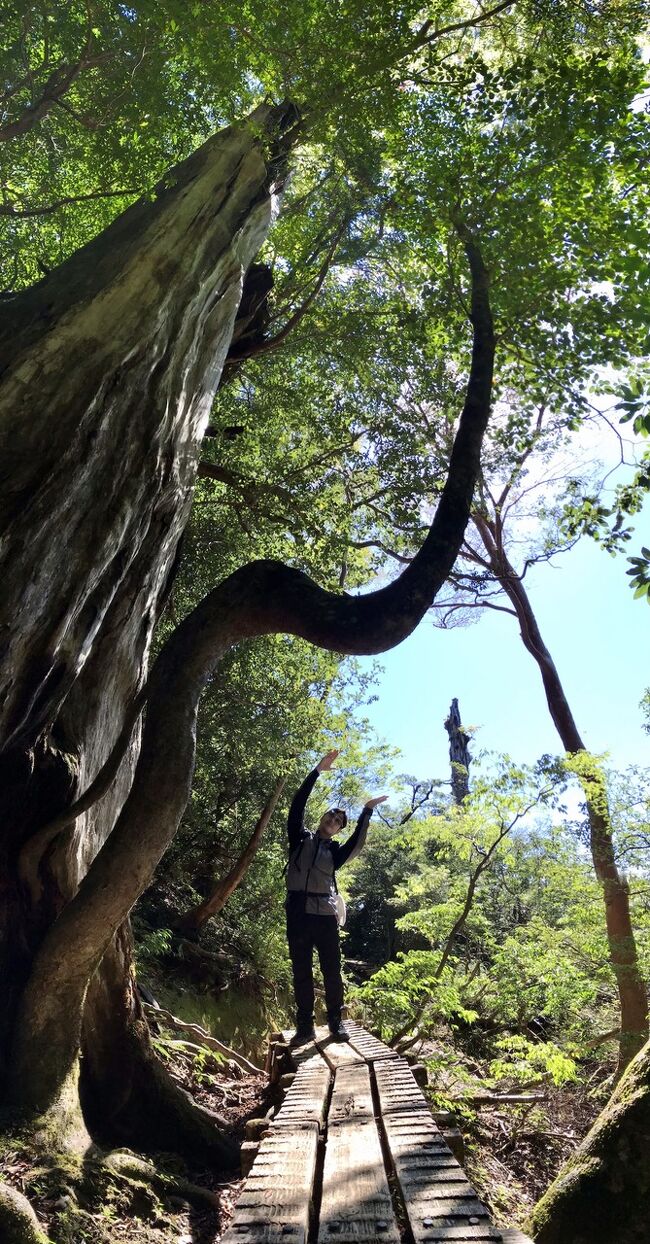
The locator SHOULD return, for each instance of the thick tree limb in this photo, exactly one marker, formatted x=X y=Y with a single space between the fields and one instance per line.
x=429 y=33
x=264 y=597
x=51 y=93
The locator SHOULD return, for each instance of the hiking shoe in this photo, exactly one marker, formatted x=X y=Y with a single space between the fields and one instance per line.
x=338 y=1032
x=303 y=1035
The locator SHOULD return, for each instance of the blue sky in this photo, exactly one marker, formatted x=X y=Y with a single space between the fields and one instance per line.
x=599 y=638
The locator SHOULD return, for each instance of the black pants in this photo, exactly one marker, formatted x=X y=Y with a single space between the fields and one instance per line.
x=304 y=933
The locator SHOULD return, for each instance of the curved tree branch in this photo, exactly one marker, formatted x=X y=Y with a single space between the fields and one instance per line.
x=264 y=597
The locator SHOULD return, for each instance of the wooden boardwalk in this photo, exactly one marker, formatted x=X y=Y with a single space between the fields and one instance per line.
x=354 y=1155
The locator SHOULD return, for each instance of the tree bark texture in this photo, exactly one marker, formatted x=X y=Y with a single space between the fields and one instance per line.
x=107 y=373
x=127 y=1094
x=103 y=401
x=632 y=993
x=602 y=1194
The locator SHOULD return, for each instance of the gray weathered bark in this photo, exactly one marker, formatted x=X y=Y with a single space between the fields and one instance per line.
x=459 y=756
x=108 y=372
x=264 y=597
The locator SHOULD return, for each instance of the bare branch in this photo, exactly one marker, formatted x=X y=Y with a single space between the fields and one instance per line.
x=429 y=33
x=10 y=209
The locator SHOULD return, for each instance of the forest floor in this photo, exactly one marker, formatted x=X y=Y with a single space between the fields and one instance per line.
x=514 y=1150
x=84 y=1202
x=513 y=1153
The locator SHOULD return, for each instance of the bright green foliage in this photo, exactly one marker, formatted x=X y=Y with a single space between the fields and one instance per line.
x=528 y=975
x=606 y=523
x=521 y=1061
x=640 y=572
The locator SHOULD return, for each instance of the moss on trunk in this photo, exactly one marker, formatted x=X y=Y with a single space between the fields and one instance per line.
x=18 y=1222
x=603 y=1193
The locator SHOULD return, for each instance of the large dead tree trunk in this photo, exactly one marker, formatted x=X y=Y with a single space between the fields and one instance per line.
x=103 y=399
x=602 y=1194
x=459 y=757
x=633 y=999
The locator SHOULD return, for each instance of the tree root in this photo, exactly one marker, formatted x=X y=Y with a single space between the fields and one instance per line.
x=134 y=1170
x=159 y=1014
x=129 y=1097
x=76 y=1187
x=18 y=1222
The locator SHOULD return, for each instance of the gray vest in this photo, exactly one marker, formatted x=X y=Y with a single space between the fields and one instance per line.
x=311 y=872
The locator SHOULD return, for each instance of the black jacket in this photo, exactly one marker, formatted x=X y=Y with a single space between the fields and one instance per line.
x=313 y=860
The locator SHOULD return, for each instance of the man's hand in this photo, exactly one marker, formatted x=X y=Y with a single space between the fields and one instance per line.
x=327 y=761
x=372 y=803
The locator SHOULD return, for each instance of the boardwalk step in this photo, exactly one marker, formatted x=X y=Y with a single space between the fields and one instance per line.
x=337 y=1053
x=275 y=1203
x=370 y=1047
x=356 y=1202
x=439 y=1200
x=298 y=1055
x=306 y=1099
x=351 y=1096
x=278 y=1202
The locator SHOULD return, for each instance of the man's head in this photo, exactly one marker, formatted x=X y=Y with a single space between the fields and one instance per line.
x=332 y=823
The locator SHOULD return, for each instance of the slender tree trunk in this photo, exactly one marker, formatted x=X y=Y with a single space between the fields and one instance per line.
x=193 y=921
x=633 y=999
x=602 y=1194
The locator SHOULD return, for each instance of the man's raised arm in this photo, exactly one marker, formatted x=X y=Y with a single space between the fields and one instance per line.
x=357 y=840
x=295 y=820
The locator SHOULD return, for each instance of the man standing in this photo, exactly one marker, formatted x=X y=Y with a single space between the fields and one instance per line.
x=312 y=909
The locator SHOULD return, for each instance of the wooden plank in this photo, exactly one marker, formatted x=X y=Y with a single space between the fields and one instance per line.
x=351 y=1096
x=440 y=1202
x=356 y=1203
x=275 y=1201
x=301 y=1054
x=306 y=1100
x=336 y=1053
x=366 y=1044
x=511 y=1235
x=462 y=1235
x=397 y=1087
